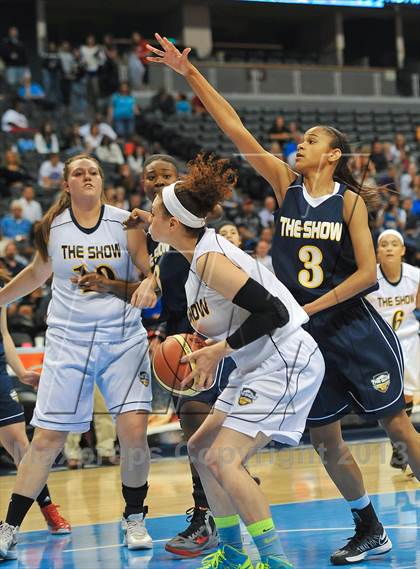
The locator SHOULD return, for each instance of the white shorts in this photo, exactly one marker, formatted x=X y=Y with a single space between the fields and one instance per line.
x=65 y=395
x=411 y=352
x=275 y=398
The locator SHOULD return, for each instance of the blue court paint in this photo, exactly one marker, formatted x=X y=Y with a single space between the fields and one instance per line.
x=310 y=532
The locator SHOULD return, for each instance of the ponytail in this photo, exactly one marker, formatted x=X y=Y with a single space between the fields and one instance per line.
x=42 y=232
x=342 y=173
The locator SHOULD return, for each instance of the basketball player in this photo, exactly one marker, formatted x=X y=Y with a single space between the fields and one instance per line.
x=12 y=421
x=323 y=252
x=396 y=300
x=169 y=272
x=279 y=366
x=90 y=337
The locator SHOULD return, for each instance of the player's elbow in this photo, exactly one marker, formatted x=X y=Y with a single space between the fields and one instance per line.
x=369 y=276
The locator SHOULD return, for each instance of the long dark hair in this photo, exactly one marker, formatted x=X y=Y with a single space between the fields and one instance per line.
x=342 y=173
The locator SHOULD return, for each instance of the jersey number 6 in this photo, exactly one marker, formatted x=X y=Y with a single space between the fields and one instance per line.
x=312 y=275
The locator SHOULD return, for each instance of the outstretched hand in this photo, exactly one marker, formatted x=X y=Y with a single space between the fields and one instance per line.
x=170 y=55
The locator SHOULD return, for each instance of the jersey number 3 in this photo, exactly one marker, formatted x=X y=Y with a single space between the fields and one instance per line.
x=312 y=275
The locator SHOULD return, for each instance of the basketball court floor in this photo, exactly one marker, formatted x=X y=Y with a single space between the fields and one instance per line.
x=311 y=518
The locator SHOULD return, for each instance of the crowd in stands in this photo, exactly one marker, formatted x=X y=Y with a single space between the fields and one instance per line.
x=86 y=107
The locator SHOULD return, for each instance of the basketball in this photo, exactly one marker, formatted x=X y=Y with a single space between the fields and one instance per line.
x=167 y=366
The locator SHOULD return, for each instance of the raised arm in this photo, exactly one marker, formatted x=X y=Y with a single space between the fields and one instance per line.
x=277 y=173
x=32 y=277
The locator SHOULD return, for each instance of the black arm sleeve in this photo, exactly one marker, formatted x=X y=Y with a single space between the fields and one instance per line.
x=267 y=313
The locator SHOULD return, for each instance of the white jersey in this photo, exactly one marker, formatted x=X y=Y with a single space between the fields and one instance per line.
x=74 y=251
x=213 y=316
x=396 y=302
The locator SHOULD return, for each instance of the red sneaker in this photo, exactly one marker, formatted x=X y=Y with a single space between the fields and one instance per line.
x=56 y=523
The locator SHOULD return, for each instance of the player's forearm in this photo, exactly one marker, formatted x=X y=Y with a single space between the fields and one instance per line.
x=12 y=357
x=353 y=285
x=221 y=111
x=24 y=283
x=122 y=289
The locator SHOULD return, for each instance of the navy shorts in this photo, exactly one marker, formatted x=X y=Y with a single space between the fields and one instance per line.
x=11 y=410
x=225 y=368
x=364 y=365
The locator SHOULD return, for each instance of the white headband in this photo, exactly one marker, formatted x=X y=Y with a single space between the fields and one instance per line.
x=392 y=233
x=175 y=208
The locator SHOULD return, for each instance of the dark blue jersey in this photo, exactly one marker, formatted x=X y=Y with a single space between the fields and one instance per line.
x=312 y=250
x=170 y=269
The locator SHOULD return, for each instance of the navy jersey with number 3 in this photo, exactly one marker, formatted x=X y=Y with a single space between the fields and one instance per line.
x=312 y=250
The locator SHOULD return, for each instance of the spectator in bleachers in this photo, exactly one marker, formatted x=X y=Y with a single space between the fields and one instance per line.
x=67 y=64
x=13 y=119
x=13 y=54
x=12 y=173
x=262 y=255
x=377 y=156
x=407 y=181
x=163 y=101
x=11 y=261
x=135 y=70
x=73 y=141
x=79 y=83
x=46 y=141
x=50 y=175
x=105 y=129
x=14 y=225
x=399 y=148
x=182 y=105
x=109 y=74
x=94 y=138
x=136 y=159
x=267 y=235
x=141 y=51
x=276 y=149
x=390 y=217
x=135 y=201
x=31 y=209
x=248 y=222
x=31 y=91
x=290 y=147
x=122 y=111
x=406 y=212
x=93 y=57
x=51 y=72
x=109 y=152
x=279 y=130
x=389 y=178
x=111 y=195
x=362 y=167
x=229 y=231
x=127 y=179
x=121 y=200
x=266 y=213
